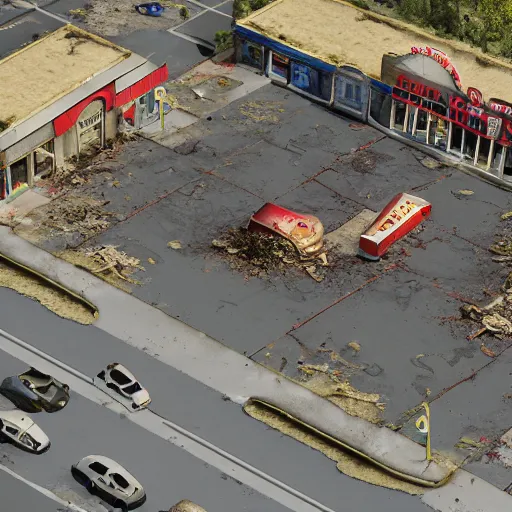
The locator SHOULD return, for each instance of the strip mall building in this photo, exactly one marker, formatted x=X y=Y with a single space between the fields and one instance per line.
x=405 y=82
x=62 y=94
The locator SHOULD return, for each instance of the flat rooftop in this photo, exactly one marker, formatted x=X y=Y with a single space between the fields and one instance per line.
x=341 y=34
x=53 y=66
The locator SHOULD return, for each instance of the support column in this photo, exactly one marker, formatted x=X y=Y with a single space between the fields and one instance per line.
x=415 y=122
x=450 y=135
x=393 y=115
x=429 y=122
x=30 y=169
x=491 y=154
x=501 y=168
x=463 y=143
x=406 y=120
x=477 y=151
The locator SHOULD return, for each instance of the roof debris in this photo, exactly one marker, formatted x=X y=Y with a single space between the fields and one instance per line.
x=259 y=254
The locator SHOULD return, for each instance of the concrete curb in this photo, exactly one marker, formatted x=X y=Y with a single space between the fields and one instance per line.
x=222 y=369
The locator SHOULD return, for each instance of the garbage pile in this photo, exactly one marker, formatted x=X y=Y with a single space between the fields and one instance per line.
x=258 y=254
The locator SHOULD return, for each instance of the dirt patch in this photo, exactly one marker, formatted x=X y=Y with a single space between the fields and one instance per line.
x=261 y=255
x=82 y=216
x=346 y=463
x=365 y=162
x=114 y=18
x=51 y=298
x=262 y=111
x=106 y=262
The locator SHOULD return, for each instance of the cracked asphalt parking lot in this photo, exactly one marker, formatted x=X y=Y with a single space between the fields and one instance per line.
x=276 y=146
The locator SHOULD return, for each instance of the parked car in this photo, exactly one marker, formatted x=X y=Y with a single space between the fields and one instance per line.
x=123 y=382
x=20 y=430
x=109 y=481
x=34 y=391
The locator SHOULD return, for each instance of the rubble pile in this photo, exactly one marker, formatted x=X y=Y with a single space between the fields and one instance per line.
x=73 y=213
x=258 y=254
x=107 y=262
x=496 y=317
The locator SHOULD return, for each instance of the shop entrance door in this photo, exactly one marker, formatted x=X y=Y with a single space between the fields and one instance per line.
x=90 y=126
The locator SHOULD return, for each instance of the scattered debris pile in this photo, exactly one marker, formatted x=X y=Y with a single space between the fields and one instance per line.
x=69 y=214
x=496 y=317
x=106 y=262
x=50 y=297
x=258 y=254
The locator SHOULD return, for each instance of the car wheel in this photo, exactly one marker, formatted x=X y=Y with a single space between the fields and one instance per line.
x=121 y=504
x=89 y=485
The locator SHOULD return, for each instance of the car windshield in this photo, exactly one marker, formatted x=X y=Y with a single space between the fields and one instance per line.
x=99 y=468
x=119 y=377
x=120 y=480
x=47 y=391
x=130 y=390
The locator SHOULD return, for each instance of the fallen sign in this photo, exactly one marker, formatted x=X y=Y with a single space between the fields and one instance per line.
x=400 y=216
x=305 y=232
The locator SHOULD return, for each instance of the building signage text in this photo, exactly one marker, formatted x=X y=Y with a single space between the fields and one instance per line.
x=441 y=58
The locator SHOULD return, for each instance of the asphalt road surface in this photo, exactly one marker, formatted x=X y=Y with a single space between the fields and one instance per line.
x=167 y=472
x=18 y=496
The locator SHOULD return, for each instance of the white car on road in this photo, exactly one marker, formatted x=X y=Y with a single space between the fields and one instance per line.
x=109 y=481
x=18 y=428
x=119 y=379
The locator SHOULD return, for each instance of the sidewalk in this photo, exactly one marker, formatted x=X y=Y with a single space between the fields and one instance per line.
x=199 y=93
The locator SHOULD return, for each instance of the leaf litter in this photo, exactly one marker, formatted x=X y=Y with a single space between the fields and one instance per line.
x=495 y=318
x=260 y=254
x=106 y=262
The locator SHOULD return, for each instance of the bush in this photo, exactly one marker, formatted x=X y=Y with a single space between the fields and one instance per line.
x=506 y=46
x=223 y=40
x=361 y=4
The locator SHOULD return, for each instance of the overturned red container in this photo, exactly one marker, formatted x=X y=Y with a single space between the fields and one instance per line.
x=400 y=216
x=304 y=231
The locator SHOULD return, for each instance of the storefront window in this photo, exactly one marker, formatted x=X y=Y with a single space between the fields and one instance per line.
x=251 y=54
x=280 y=65
x=44 y=158
x=3 y=184
x=19 y=174
x=400 y=115
x=311 y=81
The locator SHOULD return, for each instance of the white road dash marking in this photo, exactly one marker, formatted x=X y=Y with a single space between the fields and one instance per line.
x=42 y=490
x=230 y=465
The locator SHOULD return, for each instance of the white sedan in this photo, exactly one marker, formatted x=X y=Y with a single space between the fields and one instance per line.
x=17 y=427
x=109 y=481
x=123 y=382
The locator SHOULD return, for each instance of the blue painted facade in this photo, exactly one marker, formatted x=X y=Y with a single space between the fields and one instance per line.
x=346 y=89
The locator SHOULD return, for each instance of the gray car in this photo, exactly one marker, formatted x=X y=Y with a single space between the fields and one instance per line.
x=34 y=391
x=109 y=481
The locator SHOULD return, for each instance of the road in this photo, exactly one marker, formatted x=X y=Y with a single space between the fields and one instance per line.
x=85 y=427
x=167 y=472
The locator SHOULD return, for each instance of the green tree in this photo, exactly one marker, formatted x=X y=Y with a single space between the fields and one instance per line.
x=496 y=16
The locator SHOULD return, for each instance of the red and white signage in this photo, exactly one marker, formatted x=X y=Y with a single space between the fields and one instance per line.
x=304 y=231
x=400 y=216
x=441 y=58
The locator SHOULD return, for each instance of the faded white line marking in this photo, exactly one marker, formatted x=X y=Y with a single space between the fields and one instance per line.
x=228 y=464
x=42 y=490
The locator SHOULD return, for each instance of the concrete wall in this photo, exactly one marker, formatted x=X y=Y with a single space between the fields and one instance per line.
x=66 y=146
x=111 y=122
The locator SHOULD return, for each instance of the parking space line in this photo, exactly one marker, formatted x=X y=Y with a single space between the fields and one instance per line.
x=196 y=2
x=191 y=39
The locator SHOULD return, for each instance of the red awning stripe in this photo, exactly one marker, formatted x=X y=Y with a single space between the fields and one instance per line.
x=65 y=121
x=154 y=79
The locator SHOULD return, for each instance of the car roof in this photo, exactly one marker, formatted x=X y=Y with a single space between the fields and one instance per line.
x=124 y=370
x=18 y=418
x=112 y=465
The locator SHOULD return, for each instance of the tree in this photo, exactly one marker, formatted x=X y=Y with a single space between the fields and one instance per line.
x=496 y=16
